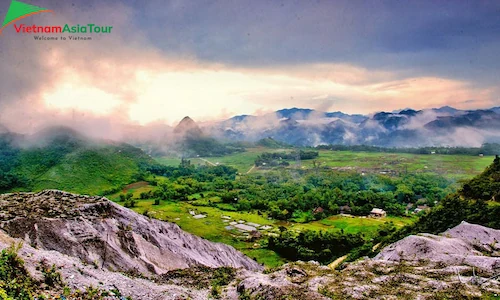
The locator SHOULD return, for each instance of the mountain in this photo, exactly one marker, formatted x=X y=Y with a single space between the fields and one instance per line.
x=62 y=158
x=447 y=110
x=444 y=126
x=98 y=231
x=481 y=119
x=188 y=127
x=294 y=113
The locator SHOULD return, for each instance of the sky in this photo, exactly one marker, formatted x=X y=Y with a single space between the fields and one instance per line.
x=212 y=60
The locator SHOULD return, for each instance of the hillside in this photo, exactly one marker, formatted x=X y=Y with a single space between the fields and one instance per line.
x=61 y=158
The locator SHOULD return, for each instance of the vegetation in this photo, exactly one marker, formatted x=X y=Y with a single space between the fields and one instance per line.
x=273 y=159
x=477 y=202
x=207 y=146
x=305 y=197
x=66 y=161
x=269 y=142
x=322 y=246
x=305 y=202
x=485 y=149
x=15 y=282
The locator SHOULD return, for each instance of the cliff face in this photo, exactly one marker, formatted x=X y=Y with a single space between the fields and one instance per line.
x=104 y=234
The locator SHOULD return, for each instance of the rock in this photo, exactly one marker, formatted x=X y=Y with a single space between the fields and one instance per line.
x=98 y=231
x=457 y=246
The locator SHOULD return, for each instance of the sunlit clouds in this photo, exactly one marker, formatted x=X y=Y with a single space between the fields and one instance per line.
x=207 y=94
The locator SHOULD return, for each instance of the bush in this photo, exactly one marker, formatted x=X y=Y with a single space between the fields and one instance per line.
x=130 y=203
x=15 y=282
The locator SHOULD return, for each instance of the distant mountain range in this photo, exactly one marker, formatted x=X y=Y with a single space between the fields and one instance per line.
x=444 y=126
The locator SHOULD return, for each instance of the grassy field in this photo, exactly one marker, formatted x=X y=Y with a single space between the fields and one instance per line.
x=450 y=166
x=243 y=161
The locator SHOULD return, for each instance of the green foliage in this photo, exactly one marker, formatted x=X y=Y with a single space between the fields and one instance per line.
x=486 y=149
x=64 y=160
x=130 y=203
x=207 y=146
x=14 y=279
x=9 y=159
x=469 y=204
x=202 y=173
x=322 y=246
x=485 y=186
x=269 y=142
x=273 y=159
x=51 y=276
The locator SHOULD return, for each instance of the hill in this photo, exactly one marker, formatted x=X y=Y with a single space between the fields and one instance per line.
x=190 y=141
x=62 y=158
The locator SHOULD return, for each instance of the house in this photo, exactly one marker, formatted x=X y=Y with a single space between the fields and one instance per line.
x=421 y=208
x=318 y=210
x=255 y=235
x=378 y=213
x=345 y=209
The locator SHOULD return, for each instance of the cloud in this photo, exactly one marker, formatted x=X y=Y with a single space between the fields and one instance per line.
x=212 y=60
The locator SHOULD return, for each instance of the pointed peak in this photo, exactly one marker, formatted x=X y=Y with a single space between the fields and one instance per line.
x=187 y=119
x=187 y=125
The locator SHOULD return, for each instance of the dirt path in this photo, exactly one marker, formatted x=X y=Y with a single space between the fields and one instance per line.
x=208 y=162
x=135 y=185
x=251 y=169
x=337 y=262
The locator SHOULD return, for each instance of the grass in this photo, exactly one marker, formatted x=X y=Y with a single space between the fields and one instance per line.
x=365 y=225
x=169 y=161
x=84 y=170
x=242 y=161
x=451 y=166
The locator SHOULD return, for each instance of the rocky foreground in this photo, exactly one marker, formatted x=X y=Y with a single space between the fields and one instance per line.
x=94 y=242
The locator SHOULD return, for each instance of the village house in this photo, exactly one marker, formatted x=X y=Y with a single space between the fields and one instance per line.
x=378 y=213
x=421 y=208
x=318 y=210
x=345 y=209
